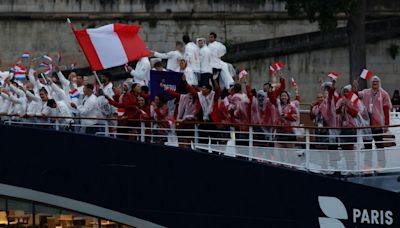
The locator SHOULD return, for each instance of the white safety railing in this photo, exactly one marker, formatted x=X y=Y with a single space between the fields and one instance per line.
x=321 y=150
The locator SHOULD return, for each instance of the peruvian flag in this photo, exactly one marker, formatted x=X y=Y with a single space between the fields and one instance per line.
x=120 y=112
x=170 y=120
x=334 y=75
x=272 y=70
x=276 y=66
x=242 y=73
x=111 y=45
x=353 y=98
x=366 y=74
x=19 y=72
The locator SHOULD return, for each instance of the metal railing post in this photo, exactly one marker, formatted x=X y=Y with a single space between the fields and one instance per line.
x=152 y=131
x=250 y=143
x=307 y=148
x=196 y=135
x=142 y=131
x=358 y=152
x=106 y=130
x=57 y=125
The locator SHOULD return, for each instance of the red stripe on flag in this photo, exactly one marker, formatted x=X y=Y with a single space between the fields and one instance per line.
x=133 y=44
x=90 y=52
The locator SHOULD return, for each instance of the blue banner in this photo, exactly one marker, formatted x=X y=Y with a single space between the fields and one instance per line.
x=169 y=78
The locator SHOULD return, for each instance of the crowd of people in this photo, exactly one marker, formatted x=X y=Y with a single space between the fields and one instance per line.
x=208 y=94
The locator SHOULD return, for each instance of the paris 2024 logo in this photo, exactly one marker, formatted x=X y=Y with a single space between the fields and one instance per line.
x=336 y=213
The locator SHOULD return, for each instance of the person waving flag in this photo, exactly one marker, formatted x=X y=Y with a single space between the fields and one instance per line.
x=111 y=45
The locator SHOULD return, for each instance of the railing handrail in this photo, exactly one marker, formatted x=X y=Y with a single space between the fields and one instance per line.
x=201 y=122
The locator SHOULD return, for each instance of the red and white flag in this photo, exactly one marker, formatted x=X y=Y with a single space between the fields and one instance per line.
x=19 y=72
x=73 y=65
x=170 y=120
x=275 y=67
x=25 y=55
x=366 y=74
x=111 y=45
x=43 y=64
x=242 y=73
x=48 y=71
x=334 y=75
x=47 y=57
x=278 y=65
x=120 y=112
x=293 y=83
x=353 y=97
x=272 y=70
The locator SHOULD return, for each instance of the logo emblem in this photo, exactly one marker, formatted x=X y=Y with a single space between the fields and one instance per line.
x=334 y=210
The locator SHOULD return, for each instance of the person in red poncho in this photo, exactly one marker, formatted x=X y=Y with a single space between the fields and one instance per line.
x=377 y=102
x=159 y=111
x=186 y=112
x=127 y=105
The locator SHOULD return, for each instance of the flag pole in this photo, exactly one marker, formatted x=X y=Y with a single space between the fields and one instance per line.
x=94 y=72
x=98 y=79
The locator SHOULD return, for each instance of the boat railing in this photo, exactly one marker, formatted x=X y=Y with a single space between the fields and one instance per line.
x=310 y=148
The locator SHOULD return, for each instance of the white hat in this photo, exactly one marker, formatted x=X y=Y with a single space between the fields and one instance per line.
x=375 y=79
x=326 y=85
x=347 y=87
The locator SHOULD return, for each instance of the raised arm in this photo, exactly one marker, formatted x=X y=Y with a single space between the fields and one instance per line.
x=17 y=91
x=65 y=83
x=59 y=92
x=32 y=96
x=216 y=88
x=164 y=55
x=248 y=92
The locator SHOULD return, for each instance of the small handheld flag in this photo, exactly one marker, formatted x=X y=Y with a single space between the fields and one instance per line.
x=74 y=94
x=170 y=120
x=43 y=64
x=272 y=70
x=275 y=67
x=293 y=83
x=278 y=65
x=25 y=55
x=47 y=57
x=366 y=74
x=48 y=70
x=334 y=75
x=353 y=97
x=242 y=73
x=19 y=72
x=120 y=112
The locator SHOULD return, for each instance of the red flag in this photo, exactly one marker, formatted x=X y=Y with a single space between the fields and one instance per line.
x=276 y=66
x=111 y=45
x=334 y=75
x=353 y=97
